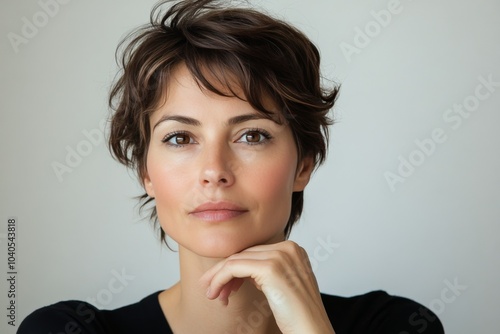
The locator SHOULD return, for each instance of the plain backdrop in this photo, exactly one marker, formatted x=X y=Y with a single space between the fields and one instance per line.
x=404 y=80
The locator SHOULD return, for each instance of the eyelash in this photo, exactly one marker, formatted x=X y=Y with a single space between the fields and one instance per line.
x=267 y=136
x=171 y=135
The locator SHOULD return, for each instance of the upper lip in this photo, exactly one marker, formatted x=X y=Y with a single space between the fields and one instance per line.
x=216 y=206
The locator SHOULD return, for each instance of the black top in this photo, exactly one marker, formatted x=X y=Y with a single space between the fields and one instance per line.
x=372 y=313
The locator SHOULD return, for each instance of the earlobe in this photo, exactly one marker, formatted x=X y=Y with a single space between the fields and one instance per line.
x=148 y=185
x=303 y=174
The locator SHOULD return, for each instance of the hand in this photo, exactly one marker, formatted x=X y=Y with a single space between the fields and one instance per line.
x=282 y=271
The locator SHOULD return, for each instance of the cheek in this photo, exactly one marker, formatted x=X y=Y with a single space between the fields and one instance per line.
x=171 y=187
x=168 y=180
x=273 y=183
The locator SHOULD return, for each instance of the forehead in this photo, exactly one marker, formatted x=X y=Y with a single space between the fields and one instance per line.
x=182 y=87
x=182 y=82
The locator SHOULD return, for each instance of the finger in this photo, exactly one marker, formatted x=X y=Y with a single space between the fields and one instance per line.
x=286 y=245
x=289 y=250
x=225 y=292
x=235 y=269
x=229 y=288
x=244 y=255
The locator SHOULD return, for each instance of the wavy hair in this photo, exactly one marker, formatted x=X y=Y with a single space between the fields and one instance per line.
x=266 y=57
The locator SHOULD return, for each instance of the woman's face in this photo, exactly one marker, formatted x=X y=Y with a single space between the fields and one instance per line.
x=222 y=175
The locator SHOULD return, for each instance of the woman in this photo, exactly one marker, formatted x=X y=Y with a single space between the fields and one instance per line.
x=221 y=113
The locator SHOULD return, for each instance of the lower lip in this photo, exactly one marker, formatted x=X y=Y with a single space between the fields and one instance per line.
x=217 y=215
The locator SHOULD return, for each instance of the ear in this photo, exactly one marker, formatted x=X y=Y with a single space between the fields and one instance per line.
x=148 y=185
x=303 y=173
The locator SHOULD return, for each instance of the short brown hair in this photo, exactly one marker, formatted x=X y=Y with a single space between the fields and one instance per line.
x=267 y=57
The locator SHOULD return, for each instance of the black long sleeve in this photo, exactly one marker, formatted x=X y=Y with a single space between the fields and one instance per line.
x=372 y=313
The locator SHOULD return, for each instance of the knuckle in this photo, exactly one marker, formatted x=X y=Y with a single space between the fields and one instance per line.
x=231 y=263
x=294 y=249
x=274 y=267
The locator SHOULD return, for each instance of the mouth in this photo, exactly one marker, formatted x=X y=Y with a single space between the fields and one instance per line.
x=217 y=211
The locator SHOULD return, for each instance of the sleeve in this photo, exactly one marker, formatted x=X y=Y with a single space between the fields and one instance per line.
x=64 y=317
x=380 y=313
x=405 y=316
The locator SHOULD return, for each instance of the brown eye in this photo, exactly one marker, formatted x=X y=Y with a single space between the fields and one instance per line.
x=253 y=137
x=182 y=139
x=178 y=139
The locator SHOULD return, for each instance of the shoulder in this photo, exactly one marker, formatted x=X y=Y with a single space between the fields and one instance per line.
x=379 y=312
x=75 y=316
x=71 y=316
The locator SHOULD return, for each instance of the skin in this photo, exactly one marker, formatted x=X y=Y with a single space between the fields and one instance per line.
x=238 y=274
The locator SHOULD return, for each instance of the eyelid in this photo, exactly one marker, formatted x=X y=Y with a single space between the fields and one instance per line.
x=267 y=136
x=172 y=134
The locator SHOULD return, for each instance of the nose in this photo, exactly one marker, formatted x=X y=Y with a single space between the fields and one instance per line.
x=217 y=167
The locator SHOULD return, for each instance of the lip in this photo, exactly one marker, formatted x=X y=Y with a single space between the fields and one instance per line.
x=217 y=211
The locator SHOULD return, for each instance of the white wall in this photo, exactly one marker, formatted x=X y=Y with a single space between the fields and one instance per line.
x=440 y=225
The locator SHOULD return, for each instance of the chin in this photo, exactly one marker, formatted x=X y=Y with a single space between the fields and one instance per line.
x=219 y=247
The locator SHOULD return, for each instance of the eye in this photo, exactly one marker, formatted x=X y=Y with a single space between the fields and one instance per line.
x=178 y=139
x=255 y=137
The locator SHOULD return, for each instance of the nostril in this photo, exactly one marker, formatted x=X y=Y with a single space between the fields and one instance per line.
x=213 y=178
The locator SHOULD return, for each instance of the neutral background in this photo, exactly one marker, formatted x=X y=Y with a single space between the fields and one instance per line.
x=439 y=227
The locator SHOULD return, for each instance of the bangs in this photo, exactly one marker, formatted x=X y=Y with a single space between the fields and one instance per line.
x=226 y=75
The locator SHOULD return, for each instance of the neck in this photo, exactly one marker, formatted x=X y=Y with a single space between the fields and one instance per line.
x=192 y=312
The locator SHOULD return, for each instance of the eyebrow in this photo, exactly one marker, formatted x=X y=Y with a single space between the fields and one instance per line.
x=177 y=118
x=191 y=121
